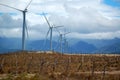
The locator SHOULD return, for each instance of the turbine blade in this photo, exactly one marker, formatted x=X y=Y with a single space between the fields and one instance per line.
x=10 y=7
x=47 y=33
x=67 y=33
x=58 y=26
x=45 y=41
x=46 y=19
x=57 y=30
x=27 y=33
x=28 y=4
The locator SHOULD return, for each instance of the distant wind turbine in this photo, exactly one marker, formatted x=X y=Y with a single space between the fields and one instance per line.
x=61 y=40
x=65 y=41
x=50 y=30
x=24 y=21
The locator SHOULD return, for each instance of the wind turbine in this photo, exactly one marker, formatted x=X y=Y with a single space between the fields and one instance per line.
x=24 y=22
x=61 y=39
x=50 y=30
x=65 y=41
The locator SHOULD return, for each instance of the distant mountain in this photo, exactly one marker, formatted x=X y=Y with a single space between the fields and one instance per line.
x=113 y=48
x=6 y=50
x=79 y=46
x=10 y=43
x=13 y=44
x=40 y=45
x=99 y=43
x=83 y=47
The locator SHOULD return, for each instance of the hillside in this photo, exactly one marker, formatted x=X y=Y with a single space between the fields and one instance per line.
x=99 y=43
x=113 y=48
x=54 y=66
x=83 y=47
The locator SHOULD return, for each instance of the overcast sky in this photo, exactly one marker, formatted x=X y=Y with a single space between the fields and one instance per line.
x=85 y=19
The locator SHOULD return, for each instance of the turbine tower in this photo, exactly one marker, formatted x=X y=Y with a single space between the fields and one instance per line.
x=50 y=31
x=24 y=22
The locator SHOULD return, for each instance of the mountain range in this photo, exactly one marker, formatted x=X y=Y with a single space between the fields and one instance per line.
x=81 y=46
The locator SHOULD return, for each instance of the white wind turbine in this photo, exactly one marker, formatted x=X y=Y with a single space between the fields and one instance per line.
x=24 y=21
x=50 y=30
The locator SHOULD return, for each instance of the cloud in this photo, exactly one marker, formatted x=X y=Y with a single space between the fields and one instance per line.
x=7 y=22
x=102 y=35
x=87 y=20
x=14 y=32
x=84 y=18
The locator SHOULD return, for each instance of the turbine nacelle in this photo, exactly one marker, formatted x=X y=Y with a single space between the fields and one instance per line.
x=25 y=10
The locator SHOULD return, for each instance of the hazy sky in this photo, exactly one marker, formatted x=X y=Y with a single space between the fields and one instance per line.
x=85 y=19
